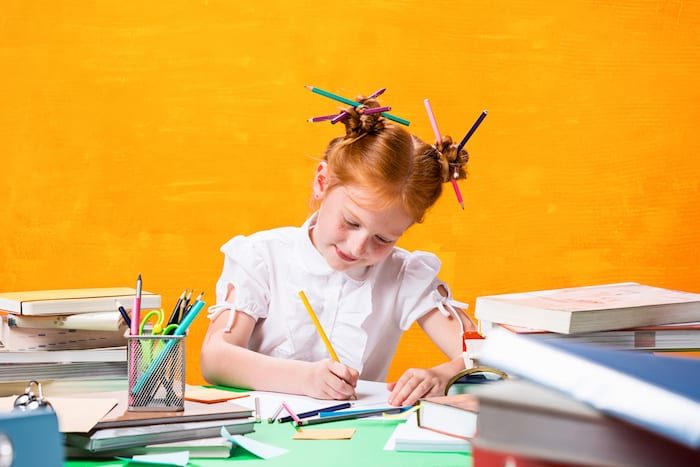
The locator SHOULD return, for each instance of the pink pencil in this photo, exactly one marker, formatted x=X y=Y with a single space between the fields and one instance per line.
x=293 y=415
x=438 y=138
x=433 y=122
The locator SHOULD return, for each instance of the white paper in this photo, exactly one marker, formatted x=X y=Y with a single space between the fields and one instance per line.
x=172 y=458
x=415 y=438
x=370 y=394
x=258 y=448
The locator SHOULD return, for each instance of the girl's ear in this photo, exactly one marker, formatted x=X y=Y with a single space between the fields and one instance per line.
x=321 y=180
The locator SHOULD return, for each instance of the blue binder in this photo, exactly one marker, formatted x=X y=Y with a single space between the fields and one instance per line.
x=30 y=439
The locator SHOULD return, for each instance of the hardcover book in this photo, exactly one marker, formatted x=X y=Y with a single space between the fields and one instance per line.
x=589 y=309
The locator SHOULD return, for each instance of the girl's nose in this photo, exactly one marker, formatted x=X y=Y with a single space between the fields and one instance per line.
x=358 y=244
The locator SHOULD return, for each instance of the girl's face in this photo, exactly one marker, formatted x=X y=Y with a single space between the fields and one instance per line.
x=352 y=231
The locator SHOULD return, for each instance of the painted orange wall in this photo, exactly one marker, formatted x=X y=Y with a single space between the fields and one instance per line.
x=137 y=137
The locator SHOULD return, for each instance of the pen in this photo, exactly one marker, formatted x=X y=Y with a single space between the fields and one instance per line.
x=311 y=413
x=347 y=101
x=257 y=410
x=350 y=416
x=136 y=308
x=124 y=314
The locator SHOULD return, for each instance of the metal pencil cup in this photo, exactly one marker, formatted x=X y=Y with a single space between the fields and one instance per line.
x=156 y=373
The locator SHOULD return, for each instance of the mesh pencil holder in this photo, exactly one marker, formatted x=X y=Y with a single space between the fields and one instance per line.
x=156 y=373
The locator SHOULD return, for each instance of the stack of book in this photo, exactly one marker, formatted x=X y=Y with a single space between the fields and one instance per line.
x=585 y=405
x=626 y=316
x=68 y=339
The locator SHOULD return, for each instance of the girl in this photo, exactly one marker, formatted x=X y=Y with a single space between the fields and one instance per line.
x=370 y=187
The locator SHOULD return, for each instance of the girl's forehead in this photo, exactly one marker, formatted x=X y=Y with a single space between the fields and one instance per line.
x=366 y=205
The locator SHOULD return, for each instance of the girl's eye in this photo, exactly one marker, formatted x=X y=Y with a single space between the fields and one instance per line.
x=383 y=240
x=352 y=224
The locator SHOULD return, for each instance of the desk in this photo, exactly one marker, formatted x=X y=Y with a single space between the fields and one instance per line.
x=365 y=449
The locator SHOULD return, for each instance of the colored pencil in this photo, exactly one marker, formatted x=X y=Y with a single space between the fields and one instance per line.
x=350 y=416
x=319 y=328
x=136 y=308
x=433 y=122
x=344 y=114
x=471 y=131
x=277 y=412
x=347 y=101
x=311 y=413
x=376 y=110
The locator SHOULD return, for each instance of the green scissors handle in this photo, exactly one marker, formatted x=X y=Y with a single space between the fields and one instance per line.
x=157 y=326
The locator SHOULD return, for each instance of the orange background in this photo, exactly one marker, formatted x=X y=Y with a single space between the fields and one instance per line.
x=138 y=138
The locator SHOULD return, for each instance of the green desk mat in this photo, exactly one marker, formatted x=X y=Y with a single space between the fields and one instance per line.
x=365 y=449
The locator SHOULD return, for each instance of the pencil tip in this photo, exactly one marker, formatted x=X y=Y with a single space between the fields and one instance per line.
x=139 y=278
x=310 y=88
x=462 y=204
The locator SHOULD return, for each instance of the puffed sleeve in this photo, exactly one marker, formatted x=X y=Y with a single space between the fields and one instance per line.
x=419 y=287
x=246 y=270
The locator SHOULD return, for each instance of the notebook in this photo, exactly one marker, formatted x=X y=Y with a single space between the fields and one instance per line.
x=70 y=301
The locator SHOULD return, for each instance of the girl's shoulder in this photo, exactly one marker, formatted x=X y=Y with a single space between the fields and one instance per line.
x=402 y=261
x=265 y=240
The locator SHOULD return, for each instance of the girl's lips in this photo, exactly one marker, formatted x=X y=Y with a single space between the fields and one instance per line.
x=343 y=256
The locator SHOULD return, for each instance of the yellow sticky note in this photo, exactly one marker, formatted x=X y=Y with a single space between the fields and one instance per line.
x=345 y=433
x=210 y=395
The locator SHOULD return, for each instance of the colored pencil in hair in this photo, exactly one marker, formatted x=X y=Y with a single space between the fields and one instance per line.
x=438 y=140
x=344 y=114
x=347 y=101
x=472 y=130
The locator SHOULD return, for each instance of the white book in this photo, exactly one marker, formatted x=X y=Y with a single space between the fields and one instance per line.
x=72 y=301
x=409 y=436
x=589 y=309
x=108 y=354
x=96 y=321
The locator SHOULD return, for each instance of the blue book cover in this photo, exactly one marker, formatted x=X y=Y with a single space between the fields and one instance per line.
x=658 y=393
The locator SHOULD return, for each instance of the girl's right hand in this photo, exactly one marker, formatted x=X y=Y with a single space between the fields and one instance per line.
x=329 y=379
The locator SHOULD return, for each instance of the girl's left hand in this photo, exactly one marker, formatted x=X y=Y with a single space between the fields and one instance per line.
x=414 y=384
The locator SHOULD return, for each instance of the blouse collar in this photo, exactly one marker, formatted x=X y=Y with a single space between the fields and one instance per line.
x=313 y=262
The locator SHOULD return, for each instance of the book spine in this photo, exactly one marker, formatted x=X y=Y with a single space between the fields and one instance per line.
x=25 y=339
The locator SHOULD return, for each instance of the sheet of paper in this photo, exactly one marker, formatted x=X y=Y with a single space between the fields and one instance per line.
x=210 y=395
x=370 y=394
x=311 y=433
x=180 y=459
x=75 y=415
x=258 y=448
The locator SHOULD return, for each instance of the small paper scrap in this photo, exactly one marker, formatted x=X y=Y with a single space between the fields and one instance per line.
x=180 y=458
x=345 y=433
x=260 y=449
x=210 y=395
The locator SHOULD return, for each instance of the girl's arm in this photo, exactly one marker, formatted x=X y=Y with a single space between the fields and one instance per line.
x=419 y=382
x=226 y=360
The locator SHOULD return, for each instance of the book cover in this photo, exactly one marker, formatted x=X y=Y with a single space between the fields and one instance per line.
x=660 y=338
x=207 y=448
x=120 y=417
x=71 y=301
x=450 y=415
x=28 y=339
x=593 y=308
x=119 y=438
x=527 y=420
x=657 y=393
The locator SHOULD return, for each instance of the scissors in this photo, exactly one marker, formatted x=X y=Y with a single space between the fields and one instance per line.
x=158 y=328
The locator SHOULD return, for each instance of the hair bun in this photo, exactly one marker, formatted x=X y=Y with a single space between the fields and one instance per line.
x=358 y=123
x=452 y=164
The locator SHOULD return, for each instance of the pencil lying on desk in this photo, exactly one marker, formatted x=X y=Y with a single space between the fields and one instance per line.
x=350 y=416
x=311 y=413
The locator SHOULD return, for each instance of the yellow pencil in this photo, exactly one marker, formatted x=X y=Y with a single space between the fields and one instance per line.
x=320 y=330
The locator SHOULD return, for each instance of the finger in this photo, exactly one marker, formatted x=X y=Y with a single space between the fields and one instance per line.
x=403 y=388
x=347 y=374
x=390 y=386
x=420 y=390
x=338 y=387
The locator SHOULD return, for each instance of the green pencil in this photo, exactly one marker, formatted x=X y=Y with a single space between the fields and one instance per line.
x=347 y=101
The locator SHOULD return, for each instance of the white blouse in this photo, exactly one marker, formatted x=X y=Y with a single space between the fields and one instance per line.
x=363 y=316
